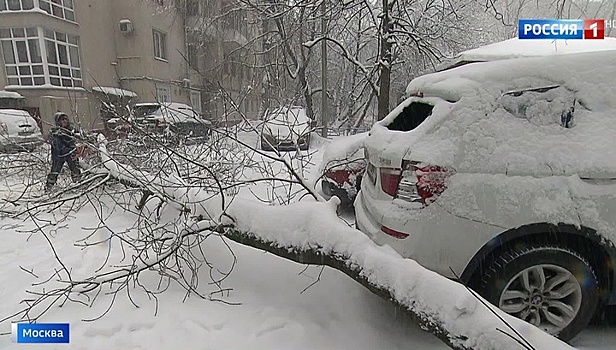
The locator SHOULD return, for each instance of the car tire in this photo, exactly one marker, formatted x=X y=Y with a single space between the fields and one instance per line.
x=525 y=283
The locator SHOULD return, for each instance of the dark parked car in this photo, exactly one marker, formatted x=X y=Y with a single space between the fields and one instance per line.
x=175 y=119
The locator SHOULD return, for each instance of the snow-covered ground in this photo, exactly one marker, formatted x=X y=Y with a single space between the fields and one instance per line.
x=281 y=304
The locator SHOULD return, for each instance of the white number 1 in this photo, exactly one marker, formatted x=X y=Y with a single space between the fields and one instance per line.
x=594 y=30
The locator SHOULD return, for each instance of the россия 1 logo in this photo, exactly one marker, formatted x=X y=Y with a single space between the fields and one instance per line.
x=561 y=28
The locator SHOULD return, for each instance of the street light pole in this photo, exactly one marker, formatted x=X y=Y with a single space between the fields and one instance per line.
x=323 y=71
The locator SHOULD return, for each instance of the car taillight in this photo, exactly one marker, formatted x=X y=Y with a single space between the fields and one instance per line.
x=394 y=233
x=390 y=178
x=340 y=176
x=422 y=183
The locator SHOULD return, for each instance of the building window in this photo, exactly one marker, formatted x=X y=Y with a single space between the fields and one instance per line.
x=63 y=59
x=192 y=7
x=160 y=44
x=16 y=5
x=59 y=8
x=163 y=93
x=23 y=60
x=195 y=101
x=192 y=56
x=36 y=56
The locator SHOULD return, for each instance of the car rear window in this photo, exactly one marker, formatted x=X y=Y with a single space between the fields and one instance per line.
x=142 y=111
x=411 y=116
x=541 y=106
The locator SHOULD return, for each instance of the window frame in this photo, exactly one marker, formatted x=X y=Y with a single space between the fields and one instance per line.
x=159 y=43
x=5 y=5
x=195 y=101
x=49 y=66
x=64 y=6
x=163 y=91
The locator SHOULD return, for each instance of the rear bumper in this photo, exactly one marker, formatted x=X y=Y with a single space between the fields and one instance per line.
x=18 y=144
x=286 y=145
x=436 y=239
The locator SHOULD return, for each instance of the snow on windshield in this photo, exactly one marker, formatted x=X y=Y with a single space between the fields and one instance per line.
x=289 y=116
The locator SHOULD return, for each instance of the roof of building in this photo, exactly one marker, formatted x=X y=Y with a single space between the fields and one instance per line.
x=114 y=91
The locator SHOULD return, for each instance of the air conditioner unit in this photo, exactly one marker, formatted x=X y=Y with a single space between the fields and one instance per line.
x=126 y=26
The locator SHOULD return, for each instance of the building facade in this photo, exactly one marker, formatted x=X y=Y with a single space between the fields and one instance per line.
x=223 y=56
x=86 y=57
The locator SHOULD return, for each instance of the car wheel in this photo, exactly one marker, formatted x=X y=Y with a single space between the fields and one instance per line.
x=551 y=287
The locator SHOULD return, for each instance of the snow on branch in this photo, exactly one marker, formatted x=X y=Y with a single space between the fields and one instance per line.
x=347 y=55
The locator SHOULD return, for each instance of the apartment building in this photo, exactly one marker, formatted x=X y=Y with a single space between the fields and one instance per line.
x=224 y=59
x=87 y=57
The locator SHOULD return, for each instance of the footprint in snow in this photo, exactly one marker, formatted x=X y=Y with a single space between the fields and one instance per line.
x=139 y=326
x=198 y=326
x=272 y=325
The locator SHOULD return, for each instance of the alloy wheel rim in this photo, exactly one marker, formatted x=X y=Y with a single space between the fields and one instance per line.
x=547 y=296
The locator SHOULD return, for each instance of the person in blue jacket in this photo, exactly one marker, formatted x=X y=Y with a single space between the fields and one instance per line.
x=63 y=139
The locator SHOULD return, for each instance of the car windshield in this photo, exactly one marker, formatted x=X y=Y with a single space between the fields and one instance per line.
x=289 y=116
x=141 y=111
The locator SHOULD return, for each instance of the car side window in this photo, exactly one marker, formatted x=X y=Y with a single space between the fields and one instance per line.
x=549 y=105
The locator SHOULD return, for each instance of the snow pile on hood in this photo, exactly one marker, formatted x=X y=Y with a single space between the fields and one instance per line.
x=316 y=226
x=482 y=132
x=287 y=123
x=344 y=150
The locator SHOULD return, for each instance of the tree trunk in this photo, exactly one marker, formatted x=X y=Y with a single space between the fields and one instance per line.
x=314 y=257
x=385 y=61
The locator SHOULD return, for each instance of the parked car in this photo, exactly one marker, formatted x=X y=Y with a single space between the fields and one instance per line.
x=171 y=118
x=18 y=131
x=342 y=167
x=286 y=129
x=508 y=184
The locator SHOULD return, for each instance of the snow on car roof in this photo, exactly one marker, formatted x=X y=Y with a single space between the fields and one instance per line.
x=14 y=113
x=481 y=133
x=519 y=73
x=516 y=48
x=531 y=159
x=10 y=94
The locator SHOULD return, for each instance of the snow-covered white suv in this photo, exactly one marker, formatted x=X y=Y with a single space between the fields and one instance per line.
x=503 y=175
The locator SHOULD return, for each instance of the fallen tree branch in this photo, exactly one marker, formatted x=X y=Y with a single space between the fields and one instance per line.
x=340 y=263
x=311 y=233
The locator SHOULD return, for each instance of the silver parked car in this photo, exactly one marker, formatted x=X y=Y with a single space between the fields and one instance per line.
x=18 y=131
x=286 y=129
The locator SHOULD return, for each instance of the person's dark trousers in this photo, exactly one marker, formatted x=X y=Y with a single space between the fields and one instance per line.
x=56 y=166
